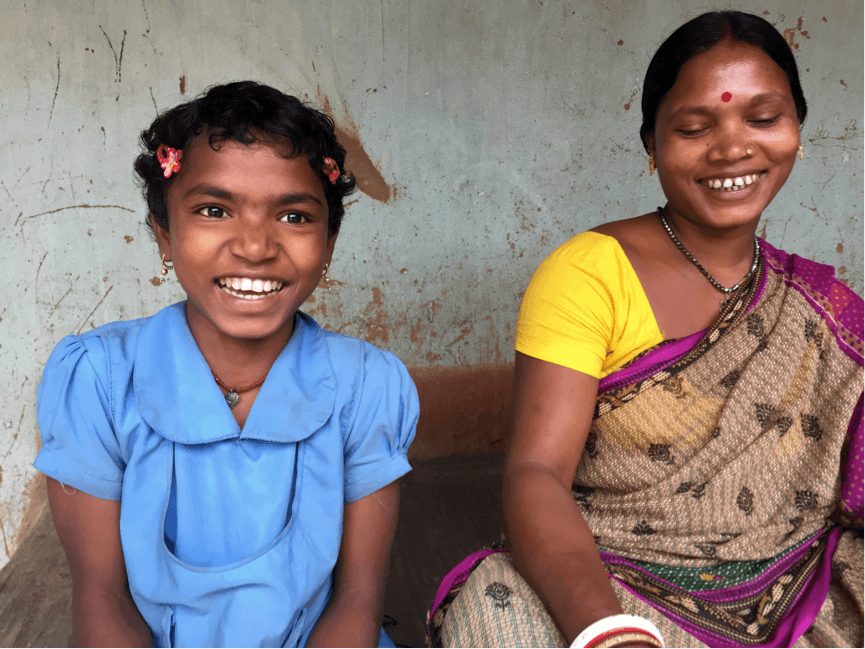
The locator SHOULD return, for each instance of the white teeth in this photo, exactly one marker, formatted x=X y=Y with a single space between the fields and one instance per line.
x=732 y=184
x=263 y=287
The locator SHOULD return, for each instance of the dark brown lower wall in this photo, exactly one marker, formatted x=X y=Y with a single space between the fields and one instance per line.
x=464 y=409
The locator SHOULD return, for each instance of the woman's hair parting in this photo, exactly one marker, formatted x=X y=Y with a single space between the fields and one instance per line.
x=701 y=34
x=249 y=113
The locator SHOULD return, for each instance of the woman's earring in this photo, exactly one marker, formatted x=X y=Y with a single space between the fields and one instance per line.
x=651 y=164
x=164 y=271
x=326 y=276
x=801 y=152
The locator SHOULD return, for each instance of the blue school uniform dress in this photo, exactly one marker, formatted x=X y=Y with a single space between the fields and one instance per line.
x=230 y=536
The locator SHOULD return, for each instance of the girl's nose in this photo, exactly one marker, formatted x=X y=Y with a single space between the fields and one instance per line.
x=253 y=242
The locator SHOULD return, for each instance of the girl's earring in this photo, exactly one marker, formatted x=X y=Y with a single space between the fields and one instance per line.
x=651 y=164
x=326 y=276
x=164 y=271
x=801 y=152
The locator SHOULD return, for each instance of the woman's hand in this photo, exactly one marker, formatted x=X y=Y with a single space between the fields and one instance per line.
x=352 y=617
x=550 y=542
x=103 y=613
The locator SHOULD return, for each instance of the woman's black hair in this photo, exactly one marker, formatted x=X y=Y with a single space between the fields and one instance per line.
x=701 y=34
x=246 y=112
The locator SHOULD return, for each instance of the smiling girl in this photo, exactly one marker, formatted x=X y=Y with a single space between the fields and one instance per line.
x=687 y=443
x=224 y=472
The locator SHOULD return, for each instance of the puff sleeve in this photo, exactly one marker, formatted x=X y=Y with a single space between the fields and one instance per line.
x=79 y=446
x=376 y=443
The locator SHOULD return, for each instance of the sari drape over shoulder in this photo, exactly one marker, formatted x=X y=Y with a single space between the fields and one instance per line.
x=722 y=475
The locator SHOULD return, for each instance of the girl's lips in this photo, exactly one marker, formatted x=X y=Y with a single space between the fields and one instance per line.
x=247 y=284
x=248 y=288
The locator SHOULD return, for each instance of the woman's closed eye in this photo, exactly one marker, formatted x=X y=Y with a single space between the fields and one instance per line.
x=765 y=121
x=692 y=131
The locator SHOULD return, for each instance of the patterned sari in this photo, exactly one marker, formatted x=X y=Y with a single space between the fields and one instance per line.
x=722 y=480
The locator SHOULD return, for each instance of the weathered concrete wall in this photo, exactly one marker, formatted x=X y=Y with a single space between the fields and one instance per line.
x=483 y=133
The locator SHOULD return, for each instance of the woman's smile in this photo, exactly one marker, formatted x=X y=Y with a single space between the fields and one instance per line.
x=726 y=136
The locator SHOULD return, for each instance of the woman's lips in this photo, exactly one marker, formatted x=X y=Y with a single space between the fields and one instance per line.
x=731 y=183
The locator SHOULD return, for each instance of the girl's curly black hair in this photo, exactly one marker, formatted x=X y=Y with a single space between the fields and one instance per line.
x=246 y=112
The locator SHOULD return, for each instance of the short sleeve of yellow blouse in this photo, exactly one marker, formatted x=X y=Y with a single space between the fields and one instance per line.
x=585 y=308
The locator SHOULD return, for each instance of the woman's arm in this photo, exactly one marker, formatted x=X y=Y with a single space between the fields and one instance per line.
x=549 y=541
x=352 y=617
x=103 y=613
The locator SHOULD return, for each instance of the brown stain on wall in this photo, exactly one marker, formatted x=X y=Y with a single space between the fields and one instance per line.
x=465 y=410
x=369 y=179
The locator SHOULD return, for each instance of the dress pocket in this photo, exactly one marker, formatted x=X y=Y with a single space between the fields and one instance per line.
x=230 y=502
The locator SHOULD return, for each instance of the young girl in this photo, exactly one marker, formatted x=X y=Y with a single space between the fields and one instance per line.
x=224 y=472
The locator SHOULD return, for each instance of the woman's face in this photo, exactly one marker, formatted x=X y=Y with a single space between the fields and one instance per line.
x=248 y=237
x=727 y=101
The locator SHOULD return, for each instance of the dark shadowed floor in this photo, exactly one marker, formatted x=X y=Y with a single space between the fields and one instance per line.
x=449 y=508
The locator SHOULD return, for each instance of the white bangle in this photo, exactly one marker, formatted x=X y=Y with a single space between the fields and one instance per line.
x=615 y=624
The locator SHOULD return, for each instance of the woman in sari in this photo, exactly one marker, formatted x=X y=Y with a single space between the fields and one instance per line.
x=687 y=442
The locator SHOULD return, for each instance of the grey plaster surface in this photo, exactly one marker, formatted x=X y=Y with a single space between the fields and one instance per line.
x=493 y=131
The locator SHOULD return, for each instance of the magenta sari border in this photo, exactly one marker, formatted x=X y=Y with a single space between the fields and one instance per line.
x=781 y=265
x=460 y=571
x=732 y=593
x=671 y=352
x=799 y=617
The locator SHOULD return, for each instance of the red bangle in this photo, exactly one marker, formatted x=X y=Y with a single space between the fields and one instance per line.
x=621 y=631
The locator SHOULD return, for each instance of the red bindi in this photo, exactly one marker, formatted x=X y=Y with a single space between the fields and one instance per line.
x=726 y=96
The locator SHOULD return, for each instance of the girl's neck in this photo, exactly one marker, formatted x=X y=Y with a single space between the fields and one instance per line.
x=238 y=361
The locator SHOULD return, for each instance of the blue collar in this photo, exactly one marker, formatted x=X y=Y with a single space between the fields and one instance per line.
x=179 y=399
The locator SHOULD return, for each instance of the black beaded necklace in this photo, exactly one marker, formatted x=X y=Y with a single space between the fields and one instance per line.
x=726 y=291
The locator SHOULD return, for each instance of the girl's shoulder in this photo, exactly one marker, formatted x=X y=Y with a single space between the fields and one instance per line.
x=347 y=353
x=100 y=346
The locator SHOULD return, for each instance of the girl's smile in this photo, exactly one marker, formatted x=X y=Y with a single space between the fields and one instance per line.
x=248 y=238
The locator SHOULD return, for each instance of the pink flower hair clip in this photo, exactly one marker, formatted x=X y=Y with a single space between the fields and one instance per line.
x=331 y=169
x=169 y=159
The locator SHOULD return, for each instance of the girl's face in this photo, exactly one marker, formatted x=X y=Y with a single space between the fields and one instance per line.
x=727 y=101
x=248 y=238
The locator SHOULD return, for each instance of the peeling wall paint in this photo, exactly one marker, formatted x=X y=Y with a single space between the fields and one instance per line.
x=483 y=134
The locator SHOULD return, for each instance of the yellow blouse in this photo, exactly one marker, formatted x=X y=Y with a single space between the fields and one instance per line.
x=585 y=308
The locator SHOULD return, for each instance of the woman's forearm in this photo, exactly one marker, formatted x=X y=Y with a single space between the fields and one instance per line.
x=554 y=550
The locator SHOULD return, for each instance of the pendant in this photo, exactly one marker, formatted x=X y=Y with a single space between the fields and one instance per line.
x=232 y=399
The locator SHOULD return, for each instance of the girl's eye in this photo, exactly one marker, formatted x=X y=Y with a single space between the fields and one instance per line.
x=213 y=212
x=293 y=217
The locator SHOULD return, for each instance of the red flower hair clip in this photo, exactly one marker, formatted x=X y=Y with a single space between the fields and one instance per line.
x=169 y=159
x=331 y=169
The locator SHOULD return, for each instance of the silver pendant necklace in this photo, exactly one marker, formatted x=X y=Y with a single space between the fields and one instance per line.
x=726 y=291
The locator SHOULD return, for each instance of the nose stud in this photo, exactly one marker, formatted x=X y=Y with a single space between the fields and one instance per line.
x=748 y=152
